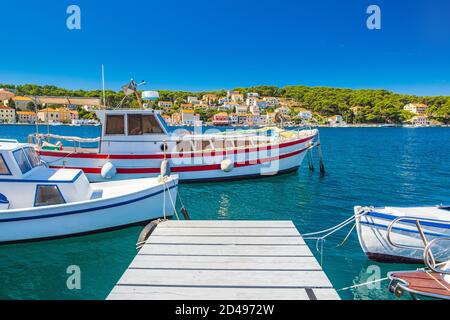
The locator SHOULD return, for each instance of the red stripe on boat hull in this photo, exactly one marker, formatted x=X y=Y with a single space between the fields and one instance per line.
x=188 y=168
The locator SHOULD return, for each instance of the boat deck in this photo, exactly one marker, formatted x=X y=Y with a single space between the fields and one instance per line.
x=224 y=260
x=425 y=283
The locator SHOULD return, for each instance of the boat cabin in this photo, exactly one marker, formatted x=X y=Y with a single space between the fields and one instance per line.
x=126 y=130
x=25 y=182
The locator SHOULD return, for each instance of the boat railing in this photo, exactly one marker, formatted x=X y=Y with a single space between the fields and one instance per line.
x=419 y=222
x=429 y=258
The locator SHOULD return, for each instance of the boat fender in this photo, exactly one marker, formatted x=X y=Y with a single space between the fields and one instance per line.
x=226 y=165
x=165 y=168
x=185 y=213
x=146 y=232
x=108 y=170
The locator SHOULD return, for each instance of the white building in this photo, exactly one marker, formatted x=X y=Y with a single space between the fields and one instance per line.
x=7 y=114
x=189 y=118
x=305 y=114
x=252 y=95
x=228 y=106
x=26 y=116
x=224 y=100
x=417 y=108
x=271 y=101
x=336 y=120
x=193 y=100
x=420 y=121
x=240 y=109
x=233 y=118
x=165 y=104
x=283 y=110
x=255 y=110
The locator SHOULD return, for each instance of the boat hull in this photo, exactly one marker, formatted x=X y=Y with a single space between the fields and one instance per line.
x=57 y=221
x=372 y=234
x=193 y=167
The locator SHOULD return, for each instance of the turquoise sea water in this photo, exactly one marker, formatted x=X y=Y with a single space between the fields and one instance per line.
x=368 y=166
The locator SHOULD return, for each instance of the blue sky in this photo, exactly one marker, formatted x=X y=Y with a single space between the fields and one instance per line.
x=215 y=44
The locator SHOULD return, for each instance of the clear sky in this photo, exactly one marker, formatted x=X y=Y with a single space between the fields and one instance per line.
x=214 y=44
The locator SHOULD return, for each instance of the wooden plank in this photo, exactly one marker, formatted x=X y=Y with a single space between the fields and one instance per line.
x=224 y=250
x=228 y=278
x=247 y=232
x=191 y=293
x=227 y=224
x=208 y=240
x=224 y=263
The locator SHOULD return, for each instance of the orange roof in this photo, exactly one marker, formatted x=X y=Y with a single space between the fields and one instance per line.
x=20 y=98
x=6 y=107
x=26 y=113
x=187 y=111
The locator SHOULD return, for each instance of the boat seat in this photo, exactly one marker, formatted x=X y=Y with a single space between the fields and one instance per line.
x=426 y=283
x=97 y=194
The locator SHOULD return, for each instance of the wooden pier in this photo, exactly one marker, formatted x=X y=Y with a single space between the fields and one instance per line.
x=224 y=260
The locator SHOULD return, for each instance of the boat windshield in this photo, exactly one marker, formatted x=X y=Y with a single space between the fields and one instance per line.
x=27 y=159
x=32 y=156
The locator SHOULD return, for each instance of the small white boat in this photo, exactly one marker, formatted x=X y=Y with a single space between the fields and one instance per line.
x=38 y=203
x=394 y=234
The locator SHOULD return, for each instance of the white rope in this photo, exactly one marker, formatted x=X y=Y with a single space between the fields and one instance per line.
x=363 y=284
x=171 y=201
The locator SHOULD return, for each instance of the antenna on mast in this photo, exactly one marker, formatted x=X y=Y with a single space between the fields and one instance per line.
x=103 y=85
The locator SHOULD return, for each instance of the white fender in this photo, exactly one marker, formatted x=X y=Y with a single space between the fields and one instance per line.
x=108 y=170
x=226 y=165
x=165 y=168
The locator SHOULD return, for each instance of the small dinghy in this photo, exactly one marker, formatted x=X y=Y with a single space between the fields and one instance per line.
x=38 y=203
x=399 y=235
x=432 y=282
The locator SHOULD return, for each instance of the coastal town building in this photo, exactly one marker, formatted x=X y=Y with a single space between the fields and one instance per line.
x=26 y=116
x=167 y=119
x=7 y=114
x=283 y=110
x=270 y=118
x=252 y=95
x=187 y=106
x=271 y=101
x=221 y=119
x=336 y=120
x=417 y=108
x=237 y=97
x=233 y=118
x=420 y=120
x=210 y=99
x=228 y=106
x=193 y=100
x=64 y=115
x=176 y=118
x=305 y=114
x=5 y=95
x=189 y=118
x=224 y=100
x=254 y=110
x=21 y=103
x=241 y=109
x=165 y=104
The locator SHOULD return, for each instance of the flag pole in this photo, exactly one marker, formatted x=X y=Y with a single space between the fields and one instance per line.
x=103 y=84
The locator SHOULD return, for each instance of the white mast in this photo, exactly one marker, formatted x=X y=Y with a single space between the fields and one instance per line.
x=103 y=85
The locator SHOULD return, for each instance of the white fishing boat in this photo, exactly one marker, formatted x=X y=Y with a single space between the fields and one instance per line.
x=395 y=234
x=37 y=202
x=134 y=143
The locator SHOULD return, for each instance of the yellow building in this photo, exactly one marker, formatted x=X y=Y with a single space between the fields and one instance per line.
x=57 y=115
x=21 y=103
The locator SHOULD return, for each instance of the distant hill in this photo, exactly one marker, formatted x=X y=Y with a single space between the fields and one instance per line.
x=362 y=106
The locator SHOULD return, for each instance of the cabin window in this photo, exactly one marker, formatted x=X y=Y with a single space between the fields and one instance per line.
x=150 y=125
x=47 y=195
x=139 y=124
x=32 y=157
x=134 y=124
x=115 y=124
x=4 y=170
x=22 y=161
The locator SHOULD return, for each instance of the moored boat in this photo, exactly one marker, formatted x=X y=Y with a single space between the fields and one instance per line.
x=396 y=234
x=134 y=142
x=39 y=203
